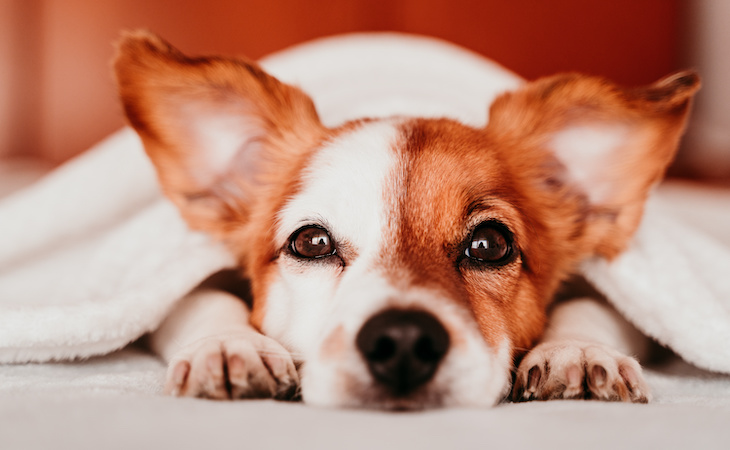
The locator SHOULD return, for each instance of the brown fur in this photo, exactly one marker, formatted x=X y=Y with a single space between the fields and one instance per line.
x=157 y=84
x=453 y=176
x=502 y=168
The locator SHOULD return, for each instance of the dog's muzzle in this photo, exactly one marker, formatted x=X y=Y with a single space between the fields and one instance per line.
x=402 y=348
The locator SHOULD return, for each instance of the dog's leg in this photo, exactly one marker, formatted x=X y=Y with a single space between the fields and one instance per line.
x=583 y=354
x=214 y=352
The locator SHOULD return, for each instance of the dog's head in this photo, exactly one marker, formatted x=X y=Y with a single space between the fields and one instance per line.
x=405 y=261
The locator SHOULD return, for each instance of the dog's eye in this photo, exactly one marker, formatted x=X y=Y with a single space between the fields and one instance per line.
x=312 y=242
x=490 y=242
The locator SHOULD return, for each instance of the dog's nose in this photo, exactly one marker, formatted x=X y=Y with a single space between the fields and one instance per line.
x=402 y=348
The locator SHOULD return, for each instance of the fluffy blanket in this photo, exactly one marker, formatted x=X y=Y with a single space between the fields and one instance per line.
x=92 y=256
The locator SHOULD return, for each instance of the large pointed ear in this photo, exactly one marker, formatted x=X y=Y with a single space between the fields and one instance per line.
x=215 y=128
x=598 y=146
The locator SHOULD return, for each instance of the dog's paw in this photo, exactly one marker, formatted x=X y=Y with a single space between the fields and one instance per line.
x=231 y=366
x=579 y=370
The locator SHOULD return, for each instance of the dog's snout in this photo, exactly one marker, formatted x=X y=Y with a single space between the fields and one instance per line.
x=402 y=348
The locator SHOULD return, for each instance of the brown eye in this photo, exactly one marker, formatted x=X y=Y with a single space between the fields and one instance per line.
x=312 y=242
x=489 y=243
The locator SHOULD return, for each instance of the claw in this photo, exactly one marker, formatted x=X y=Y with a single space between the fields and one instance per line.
x=234 y=366
x=579 y=370
x=533 y=380
x=178 y=378
x=598 y=376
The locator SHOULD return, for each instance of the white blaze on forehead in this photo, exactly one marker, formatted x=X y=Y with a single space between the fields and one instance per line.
x=317 y=309
x=343 y=187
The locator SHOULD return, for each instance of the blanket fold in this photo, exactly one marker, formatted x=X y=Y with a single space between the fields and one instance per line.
x=92 y=256
x=674 y=285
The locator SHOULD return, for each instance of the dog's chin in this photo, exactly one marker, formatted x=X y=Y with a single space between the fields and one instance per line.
x=380 y=399
x=374 y=397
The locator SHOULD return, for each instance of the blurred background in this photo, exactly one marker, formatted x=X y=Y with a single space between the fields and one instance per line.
x=57 y=97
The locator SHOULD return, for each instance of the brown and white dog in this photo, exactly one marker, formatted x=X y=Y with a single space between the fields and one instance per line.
x=400 y=263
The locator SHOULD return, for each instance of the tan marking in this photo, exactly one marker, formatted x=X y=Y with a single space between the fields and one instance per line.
x=334 y=345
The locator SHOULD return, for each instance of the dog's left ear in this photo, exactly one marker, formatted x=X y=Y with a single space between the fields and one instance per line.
x=598 y=146
x=216 y=129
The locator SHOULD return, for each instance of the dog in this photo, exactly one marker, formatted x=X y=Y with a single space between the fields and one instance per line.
x=400 y=263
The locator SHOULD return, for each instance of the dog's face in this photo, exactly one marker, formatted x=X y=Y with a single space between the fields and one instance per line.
x=406 y=262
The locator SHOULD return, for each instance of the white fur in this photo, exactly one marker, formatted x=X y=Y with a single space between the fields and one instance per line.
x=221 y=138
x=224 y=136
x=345 y=189
x=588 y=319
x=471 y=374
x=586 y=151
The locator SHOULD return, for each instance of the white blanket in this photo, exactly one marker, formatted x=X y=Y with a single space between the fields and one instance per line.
x=92 y=256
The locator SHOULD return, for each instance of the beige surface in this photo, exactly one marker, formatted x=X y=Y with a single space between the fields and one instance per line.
x=113 y=402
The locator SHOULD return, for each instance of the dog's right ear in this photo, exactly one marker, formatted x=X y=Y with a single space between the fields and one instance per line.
x=593 y=150
x=216 y=129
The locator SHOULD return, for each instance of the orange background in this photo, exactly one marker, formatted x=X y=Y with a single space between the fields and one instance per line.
x=58 y=95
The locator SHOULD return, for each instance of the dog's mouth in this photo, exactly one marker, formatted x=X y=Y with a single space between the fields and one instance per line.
x=377 y=398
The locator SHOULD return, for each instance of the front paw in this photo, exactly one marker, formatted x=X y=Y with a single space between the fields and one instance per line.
x=579 y=370
x=231 y=366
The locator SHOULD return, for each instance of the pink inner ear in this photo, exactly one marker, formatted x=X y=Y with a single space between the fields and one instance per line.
x=594 y=156
x=221 y=142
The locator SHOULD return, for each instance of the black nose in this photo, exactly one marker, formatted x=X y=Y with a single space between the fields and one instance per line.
x=402 y=348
